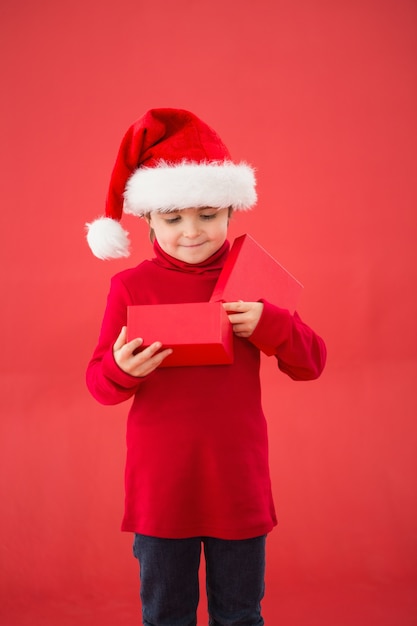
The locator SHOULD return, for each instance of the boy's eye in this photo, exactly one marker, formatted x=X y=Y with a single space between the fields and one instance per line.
x=172 y=220
x=208 y=216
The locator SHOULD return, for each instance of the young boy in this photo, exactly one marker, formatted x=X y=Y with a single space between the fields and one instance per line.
x=197 y=451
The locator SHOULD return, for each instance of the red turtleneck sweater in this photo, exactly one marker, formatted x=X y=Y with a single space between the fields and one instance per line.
x=197 y=448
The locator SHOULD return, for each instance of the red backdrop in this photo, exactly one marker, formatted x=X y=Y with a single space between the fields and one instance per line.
x=321 y=97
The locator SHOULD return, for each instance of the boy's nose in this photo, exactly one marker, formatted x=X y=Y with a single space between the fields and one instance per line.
x=191 y=230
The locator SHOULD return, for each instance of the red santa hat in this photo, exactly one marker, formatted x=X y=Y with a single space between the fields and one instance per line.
x=168 y=160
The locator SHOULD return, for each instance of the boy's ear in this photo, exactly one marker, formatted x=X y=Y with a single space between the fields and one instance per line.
x=147 y=218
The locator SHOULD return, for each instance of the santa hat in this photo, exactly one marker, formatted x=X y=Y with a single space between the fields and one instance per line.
x=168 y=160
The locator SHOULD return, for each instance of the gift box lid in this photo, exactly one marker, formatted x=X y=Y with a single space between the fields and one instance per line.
x=198 y=332
x=250 y=274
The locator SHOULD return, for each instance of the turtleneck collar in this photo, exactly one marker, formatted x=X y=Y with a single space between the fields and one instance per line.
x=214 y=263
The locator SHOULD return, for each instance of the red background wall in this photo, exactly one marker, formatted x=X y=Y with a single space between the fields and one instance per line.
x=321 y=97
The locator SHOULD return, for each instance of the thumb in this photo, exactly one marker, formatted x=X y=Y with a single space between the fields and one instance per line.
x=121 y=339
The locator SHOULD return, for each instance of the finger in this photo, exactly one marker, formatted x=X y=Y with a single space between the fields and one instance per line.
x=151 y=364
x=239 y=306
x=128 y=348
x=148 y=352
x=160 y=356
x=242 y=333
x=121 y=339
x=152 y=349
x=235 y=318
x=240 y=328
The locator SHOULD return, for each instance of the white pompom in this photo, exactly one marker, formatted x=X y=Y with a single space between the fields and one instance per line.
x=107 y=239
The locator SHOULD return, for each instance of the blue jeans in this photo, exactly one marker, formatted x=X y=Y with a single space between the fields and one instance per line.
x=169 y=589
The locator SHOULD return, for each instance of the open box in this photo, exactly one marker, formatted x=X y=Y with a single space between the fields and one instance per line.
x=200 y=333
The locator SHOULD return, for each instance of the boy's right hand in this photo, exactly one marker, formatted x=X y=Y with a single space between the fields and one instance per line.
x=137 y=363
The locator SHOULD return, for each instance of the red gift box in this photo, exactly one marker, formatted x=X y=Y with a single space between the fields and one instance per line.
x=199 y=332
x=250 y=274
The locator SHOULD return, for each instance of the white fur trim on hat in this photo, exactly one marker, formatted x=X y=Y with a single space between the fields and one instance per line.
x=168 y=187
x=107 y=239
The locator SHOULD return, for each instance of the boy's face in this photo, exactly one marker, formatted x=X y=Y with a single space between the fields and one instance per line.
x=191 y=235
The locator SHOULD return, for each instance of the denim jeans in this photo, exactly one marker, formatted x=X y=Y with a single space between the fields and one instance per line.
x=169 y=584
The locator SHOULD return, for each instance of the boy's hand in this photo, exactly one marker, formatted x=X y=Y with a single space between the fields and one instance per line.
x=137 y=363
x=244 y=316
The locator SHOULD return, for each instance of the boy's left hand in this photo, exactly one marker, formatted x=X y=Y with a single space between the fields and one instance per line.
x=244 y=316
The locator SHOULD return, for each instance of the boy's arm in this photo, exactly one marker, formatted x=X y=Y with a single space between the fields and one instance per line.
x=300 y=352
x=106 y=381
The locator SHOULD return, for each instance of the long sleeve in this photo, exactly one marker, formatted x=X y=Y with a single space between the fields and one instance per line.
x=107 y=383
x=300 y=352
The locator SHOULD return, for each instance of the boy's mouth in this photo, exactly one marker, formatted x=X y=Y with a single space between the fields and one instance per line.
x=194 y=245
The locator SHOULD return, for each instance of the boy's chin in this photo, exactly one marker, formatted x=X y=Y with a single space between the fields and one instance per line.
x=194 y=257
